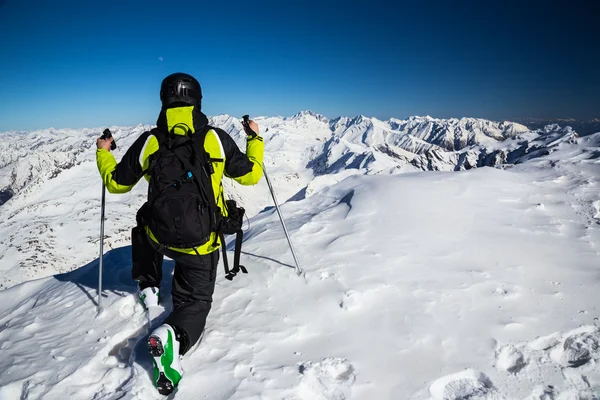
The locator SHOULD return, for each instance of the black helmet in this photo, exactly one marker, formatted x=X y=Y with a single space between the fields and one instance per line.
x=180 y=89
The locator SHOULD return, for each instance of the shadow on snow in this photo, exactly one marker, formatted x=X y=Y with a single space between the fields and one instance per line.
x=117 y=281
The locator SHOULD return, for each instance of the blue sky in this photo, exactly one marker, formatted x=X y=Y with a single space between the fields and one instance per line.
x=100 y=63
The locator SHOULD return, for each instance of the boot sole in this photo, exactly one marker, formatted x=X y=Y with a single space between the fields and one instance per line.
x=155 y=348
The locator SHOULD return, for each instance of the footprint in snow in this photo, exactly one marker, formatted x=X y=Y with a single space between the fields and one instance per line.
x=351 y=300
x=577 y=381
x=545 y=342
x=542 y=393
x=596 y=205
x=577 y=349
x=327 y=275
x=328 y=379
x=467 y=384
x=508 y=291
x=510 y=359
x=130 y=306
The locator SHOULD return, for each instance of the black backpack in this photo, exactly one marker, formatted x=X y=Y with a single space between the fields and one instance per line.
x=181 y=210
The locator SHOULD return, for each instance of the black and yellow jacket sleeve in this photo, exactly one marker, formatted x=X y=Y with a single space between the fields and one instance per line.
x=245 y=169
x=122 y=177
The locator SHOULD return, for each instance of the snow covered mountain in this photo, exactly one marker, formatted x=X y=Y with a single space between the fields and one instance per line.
x=583 y=128
x=303 y=148
x=465 y=283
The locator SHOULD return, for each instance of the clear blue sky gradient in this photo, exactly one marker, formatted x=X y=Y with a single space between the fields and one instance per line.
x=100 y=63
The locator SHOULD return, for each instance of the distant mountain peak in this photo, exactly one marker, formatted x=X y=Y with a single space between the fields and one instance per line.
x=308 y=113
x=360 y=119
x=583 y=128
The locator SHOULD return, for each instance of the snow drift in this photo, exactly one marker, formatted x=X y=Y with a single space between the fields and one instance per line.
x=491 y=280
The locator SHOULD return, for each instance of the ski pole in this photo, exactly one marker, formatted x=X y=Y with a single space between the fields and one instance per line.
x=287 y=235
x=101 y=248
x=105 y=135
x=246 y=126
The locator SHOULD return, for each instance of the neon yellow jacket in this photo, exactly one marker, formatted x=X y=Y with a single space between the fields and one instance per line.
x=245 y=169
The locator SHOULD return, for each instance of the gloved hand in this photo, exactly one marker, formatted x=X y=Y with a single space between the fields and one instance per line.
x=105 y=144
x=250 y=127
x=106 y=141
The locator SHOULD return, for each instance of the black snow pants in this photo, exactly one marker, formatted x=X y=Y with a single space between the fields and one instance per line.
x=192 y=289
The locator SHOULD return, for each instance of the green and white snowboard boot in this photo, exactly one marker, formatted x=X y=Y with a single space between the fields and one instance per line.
x=164 y=349
x=149 y=297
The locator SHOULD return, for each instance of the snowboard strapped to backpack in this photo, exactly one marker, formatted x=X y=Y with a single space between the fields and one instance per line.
x=181 y=210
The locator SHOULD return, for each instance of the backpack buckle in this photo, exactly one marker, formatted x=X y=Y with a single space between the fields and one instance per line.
x=235 y=271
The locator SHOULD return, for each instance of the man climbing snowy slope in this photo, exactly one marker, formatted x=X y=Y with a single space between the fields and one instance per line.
x=184 y=160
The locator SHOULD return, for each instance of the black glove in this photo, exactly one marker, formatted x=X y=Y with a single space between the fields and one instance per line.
x=247 y=129
x=107 y=135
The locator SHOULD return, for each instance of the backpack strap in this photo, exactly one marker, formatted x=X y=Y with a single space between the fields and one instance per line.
x=224 y=251
x=239 y=237
x=161 y=138
x=230 y=274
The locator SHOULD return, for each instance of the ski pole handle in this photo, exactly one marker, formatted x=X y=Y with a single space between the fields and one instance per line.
x=107 y=135
x=246 y=125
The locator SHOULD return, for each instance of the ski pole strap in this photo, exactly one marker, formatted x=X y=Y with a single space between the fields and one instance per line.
x=230 y=274
x=224 y=250
x=239 y=236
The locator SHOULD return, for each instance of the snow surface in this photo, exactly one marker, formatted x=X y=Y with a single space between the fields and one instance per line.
x=479 y=284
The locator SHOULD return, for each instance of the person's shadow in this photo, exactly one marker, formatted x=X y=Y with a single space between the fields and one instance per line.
x=117 y=281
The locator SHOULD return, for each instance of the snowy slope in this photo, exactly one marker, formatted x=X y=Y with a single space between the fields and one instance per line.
x=304 y=153
x=53 y=217
x=479 y=284
x=51 y=224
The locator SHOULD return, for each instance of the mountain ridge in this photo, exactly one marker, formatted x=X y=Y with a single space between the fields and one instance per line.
x=303 y=153
x=419 y=139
